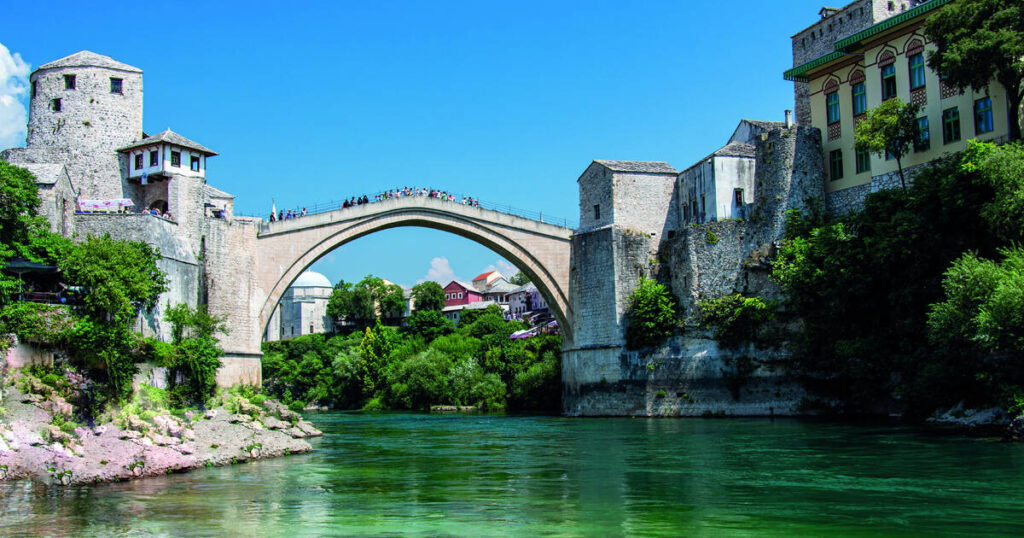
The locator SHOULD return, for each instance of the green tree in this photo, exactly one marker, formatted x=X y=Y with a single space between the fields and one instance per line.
x=652 y=313
x=981 y=40
x=890 y=128
x=339 y=305
x=519 y=279
x=428 y=295
x=429 y=325
x=1002 y=169
x=120 y=277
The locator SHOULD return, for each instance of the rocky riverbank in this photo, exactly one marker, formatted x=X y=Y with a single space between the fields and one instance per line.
x=36 y=442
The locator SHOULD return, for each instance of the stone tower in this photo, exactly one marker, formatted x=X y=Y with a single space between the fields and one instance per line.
x=83 y=108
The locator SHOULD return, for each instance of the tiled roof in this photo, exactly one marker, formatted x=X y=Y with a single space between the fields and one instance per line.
x=170 y=137
x=89 y=59
x=502 y=286
x=465 y=285
x=484 y=275
x=652 y=167
x=736 y=149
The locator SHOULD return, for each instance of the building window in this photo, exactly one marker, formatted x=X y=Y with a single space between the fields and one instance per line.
x=35 y=88
x=835 y=164
x=194 y=163
x=115 y=85
x=832 y=108
x=860 y=99
x=917 y=71
x=69 y=82
x=950 y=125
x=138 y=161
x=154 y=158
x=460 y=295
x=983 y=116
x=924 y=138
x=888 y=82
x=175 y=158
x=55 y=105
x=863 y=160
x=597 y=212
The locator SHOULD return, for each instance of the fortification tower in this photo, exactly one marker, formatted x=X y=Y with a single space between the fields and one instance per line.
x=83 y=108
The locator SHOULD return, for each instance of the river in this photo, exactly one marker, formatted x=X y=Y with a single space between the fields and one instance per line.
x=483 y=475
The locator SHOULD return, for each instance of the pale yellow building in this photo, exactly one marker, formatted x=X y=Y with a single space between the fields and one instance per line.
x=886 y=60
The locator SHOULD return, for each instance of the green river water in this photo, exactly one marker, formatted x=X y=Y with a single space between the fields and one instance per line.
x=484 y=475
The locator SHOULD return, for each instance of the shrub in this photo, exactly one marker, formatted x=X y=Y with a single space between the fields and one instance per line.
x=734 y=318
x=652 y=315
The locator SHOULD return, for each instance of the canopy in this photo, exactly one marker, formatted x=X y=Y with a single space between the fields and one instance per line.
x=105 y=205
x=20 y=266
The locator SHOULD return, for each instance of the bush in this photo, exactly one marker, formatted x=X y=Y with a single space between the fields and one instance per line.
x=652 y=315
x=735 y=319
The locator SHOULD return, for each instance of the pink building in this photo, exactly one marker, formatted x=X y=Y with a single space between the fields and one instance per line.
x=460 y=293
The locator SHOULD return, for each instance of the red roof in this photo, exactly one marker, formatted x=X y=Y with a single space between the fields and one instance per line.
x=484 y=275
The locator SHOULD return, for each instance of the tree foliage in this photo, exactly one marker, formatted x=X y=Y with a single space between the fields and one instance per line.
x=519 y=279
x=736 y=319
x=362 y=302
x=652 y=313
x=978 y=41
x=863 y=287
x=119 y=276
x=428 y=295
x=890 y=128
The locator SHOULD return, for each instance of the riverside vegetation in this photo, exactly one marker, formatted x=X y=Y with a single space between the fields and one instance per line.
x=427 y=362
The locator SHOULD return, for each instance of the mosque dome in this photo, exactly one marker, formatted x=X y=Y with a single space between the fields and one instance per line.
x=311 y=279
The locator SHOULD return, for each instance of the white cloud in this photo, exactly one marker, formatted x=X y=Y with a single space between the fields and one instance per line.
x=440 y=271
x=506 y=269
x=13 y=89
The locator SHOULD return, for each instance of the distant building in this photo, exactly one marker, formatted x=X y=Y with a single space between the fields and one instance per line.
x=454 y=313
x=461 y=293
x=303 y=309
x=498 y=291
x=524 y=299
x=485 y=280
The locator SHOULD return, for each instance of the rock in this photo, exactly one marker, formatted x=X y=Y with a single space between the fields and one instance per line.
x=247 y=408
x=4 y=446
x=99 y=430
x=189 y=416
x=295 y=432
x=235 y=419
x=254 y=425
x=210 y=414
x=273 y=423
x=188 y=434
x=56 y=435
x=137 y=424
x=1016 y=428
x=186 y=448
x=169 y=425
x=82 y=432
x=31 y=399
x=129 y=434
x=308 y=429
x=57 y=407
x=164 y=440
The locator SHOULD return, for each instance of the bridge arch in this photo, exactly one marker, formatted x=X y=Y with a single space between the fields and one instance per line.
x=287 y=248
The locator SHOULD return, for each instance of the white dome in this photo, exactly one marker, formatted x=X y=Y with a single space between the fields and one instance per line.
x=311 y=279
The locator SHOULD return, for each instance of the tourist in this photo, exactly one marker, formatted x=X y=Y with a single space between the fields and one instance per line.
x=304 y=212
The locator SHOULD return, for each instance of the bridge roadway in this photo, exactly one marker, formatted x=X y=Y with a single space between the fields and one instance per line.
x=286 y=248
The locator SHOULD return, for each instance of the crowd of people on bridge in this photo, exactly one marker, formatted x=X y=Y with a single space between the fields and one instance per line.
x=383 y=196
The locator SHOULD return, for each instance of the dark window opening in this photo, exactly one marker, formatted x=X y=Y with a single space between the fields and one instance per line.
x=194 y=163
x=597 y=212
x=115 y=85
x=69 y=82
x=138 y=161
x=888 y=82
x=950 y=125
x=175 y=158
x=917 y=71
x=55 y=105
x=35 y=89
x=863 y=160
x=835 y=164
x=154 y=158
x=983 y=116
x=924 y=137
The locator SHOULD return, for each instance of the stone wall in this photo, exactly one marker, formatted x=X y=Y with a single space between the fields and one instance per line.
x=847 y=201
x=177 y=260
x=689 y=376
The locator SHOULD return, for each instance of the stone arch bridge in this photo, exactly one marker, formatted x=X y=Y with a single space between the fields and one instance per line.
x=286 y=248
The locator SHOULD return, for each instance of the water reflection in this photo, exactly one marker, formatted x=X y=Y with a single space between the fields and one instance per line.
x=498 y=475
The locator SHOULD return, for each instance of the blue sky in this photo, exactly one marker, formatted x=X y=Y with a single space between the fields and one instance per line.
x=505 y=101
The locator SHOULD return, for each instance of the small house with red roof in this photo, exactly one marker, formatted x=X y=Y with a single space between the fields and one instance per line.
x=485 y=280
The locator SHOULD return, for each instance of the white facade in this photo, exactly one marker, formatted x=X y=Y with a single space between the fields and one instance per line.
x=526 y=299
x=303 y=309
x=160 y=159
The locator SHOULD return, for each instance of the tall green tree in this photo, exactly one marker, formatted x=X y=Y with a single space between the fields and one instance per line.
x=519 y=279
x=428 y=296
x=981 y=40
x=890 y=128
